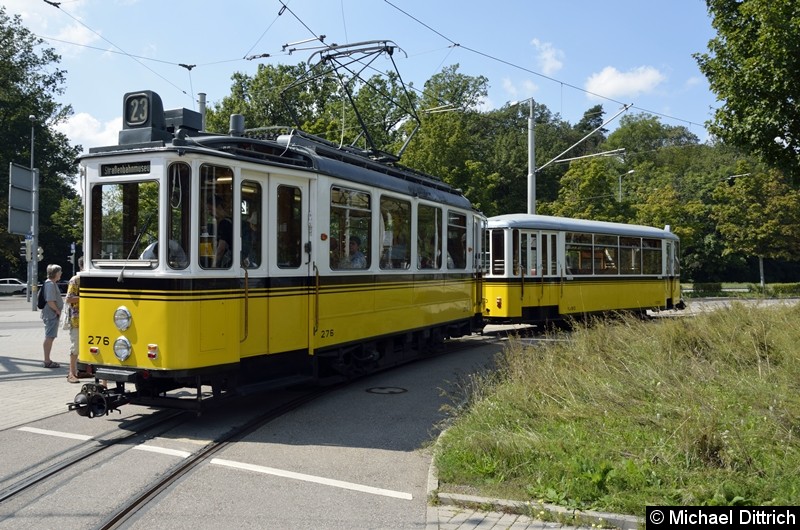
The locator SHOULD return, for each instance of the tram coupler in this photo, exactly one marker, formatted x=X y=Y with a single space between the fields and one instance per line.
x=95 y=400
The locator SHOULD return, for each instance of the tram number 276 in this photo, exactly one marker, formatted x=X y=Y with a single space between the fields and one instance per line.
x=98 y=340
x=325 y=333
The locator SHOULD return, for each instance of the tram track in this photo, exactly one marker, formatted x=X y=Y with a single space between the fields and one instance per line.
x=26 y=479
x=141 y=501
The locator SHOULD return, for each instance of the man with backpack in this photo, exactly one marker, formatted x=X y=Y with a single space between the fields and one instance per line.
x=51 y=312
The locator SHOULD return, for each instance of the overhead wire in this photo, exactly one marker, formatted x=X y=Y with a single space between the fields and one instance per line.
x=58 y=6
x=285 y=7
x=528 y=70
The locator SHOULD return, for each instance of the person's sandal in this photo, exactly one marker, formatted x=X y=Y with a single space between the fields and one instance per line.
x=51 y=364
x=73 y=379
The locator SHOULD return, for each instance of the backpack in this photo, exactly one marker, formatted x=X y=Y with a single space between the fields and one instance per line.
x=41 y=301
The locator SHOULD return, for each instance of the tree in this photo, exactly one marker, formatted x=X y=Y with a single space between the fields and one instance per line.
x=29 y=83
x=450 y=145
x=587 y=192
x=753 y=66
x=264 y=100
x=758 y=214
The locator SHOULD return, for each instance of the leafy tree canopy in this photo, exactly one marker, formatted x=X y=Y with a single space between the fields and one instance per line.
x=753 y=65
x=29 y=84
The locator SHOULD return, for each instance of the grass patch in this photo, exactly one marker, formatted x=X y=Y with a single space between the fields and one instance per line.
x=625 y=413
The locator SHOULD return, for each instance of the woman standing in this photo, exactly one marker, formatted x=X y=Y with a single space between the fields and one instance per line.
x=51 y=312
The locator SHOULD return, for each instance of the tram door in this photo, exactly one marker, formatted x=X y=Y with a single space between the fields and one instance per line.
x=287 y=241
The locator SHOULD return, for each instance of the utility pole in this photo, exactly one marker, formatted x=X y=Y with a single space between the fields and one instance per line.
x=33 y=265
x=531 y=163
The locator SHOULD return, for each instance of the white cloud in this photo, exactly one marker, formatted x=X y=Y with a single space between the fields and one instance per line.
x=44 y=20
x=612 y=83
x=86 y=130
x=550 y=58
x=508 y=86
x=519 y=91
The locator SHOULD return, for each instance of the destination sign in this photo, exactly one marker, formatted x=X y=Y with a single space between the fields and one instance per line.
x=130 y=168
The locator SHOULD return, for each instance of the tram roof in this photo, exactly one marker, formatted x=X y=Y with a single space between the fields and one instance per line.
x=548 y=222
x=304 y=152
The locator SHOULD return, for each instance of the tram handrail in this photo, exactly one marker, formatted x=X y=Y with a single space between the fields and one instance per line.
x=246 y=305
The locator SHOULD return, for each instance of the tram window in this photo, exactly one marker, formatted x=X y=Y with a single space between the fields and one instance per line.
x=124 y=219
x=515 y=242
x=395 y=233
x=549 y=254
x=606 y=249
x=456 y=240
x=675 y=257
x=351 y=219
x=498 y=251
x=429 y=237
x=290 y=224
x=251 y=224
x=486 y=258
x=179 y=181
x=630 y=255
x=579 y=253
x=651 y=256
x=533 y=258
x=216 y=229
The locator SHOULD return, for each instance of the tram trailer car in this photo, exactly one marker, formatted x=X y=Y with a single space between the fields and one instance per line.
x=226 y=260
x=551 y=270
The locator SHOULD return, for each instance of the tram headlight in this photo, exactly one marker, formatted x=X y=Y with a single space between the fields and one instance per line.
x=122 y=348
x=122 y=318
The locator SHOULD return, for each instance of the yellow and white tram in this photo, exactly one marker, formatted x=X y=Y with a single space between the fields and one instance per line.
x=222 y=260
x=542 y=269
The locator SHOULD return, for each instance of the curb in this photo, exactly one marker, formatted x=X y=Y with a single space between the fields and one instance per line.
x=436 y=497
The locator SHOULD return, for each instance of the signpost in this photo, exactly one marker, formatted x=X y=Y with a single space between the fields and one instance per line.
x=23 y=216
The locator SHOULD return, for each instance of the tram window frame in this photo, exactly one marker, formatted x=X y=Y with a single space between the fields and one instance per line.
x=216 y=189
x=252 y=217
x=528 y=249
x=429 y=237
x=395 y=233
x=350 y=216
x=606 y=250
x=579 y=252
x=289 y=226
x=652 y=256
x=497 y=250
x=179 y=219
x=630 y=255
x=456 y=240
x=119 y=211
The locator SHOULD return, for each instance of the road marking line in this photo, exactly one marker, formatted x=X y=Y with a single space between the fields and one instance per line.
x=312 y=478
x=163 y=450
x=55 y=433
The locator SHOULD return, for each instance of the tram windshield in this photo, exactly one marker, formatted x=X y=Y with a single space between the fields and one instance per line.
x=124 y=224
x=124 y=219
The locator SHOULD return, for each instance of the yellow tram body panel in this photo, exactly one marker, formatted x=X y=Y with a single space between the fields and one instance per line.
x=196 y=330
x=354 y=312
x=189 y=331
x=507 y=299
x=593 y=296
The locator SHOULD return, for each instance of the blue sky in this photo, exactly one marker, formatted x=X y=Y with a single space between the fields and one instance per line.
x=568 y=54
